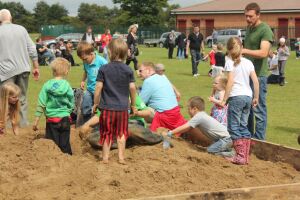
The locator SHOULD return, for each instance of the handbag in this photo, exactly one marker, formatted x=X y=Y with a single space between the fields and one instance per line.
x=136 y=52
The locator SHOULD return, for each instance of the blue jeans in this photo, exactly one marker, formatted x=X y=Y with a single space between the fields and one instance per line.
x=221 y=147
x=181 y=53
x=259 y=112
x=196 y=57
x=238 y=114
x=86 y=105
x=49 y=55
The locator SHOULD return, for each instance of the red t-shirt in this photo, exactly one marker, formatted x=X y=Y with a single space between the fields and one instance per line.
x=105 y=39
x=212 y=59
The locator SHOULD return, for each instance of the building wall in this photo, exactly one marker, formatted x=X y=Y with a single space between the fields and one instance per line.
x=222 y=21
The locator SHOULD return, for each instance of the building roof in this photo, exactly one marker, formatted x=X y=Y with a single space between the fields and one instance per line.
x=238 y=6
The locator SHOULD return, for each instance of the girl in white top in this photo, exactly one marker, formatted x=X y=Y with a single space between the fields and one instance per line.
x=238 y=94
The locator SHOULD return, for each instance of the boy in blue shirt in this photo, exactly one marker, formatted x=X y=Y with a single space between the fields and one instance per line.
x=92 y=62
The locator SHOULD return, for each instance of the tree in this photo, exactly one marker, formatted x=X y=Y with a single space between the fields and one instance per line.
x=92 y=14
x=56 y=12
x=41 y=13
x=143 y=12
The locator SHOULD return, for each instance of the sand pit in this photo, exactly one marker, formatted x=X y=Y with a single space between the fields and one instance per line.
x=32 y=168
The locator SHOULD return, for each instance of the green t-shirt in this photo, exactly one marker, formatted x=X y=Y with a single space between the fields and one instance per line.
x=253 y=38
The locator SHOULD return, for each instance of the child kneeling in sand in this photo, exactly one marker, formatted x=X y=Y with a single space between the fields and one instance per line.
x=56 y=100
x=210 y=127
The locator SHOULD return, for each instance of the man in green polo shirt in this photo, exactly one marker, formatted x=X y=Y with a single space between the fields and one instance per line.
x=258 y=41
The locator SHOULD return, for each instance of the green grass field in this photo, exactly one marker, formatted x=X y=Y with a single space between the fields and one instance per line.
x=283 y=109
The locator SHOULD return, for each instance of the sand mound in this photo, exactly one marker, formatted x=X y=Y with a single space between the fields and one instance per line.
x=34 y=168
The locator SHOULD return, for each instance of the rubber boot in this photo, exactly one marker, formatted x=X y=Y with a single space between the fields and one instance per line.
x=242 y=147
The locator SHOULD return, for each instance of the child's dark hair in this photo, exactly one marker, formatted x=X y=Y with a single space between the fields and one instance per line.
x=197 y=102
x=117 y=50
x=84 y=48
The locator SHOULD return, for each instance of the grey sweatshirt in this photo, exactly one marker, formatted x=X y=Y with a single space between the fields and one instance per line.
x=15 y=49
x=283 y=53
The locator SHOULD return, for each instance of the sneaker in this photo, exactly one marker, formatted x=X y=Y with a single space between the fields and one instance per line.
x=195 y=75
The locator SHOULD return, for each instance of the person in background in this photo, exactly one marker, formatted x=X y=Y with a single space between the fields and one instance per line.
x=44 y=51
x=89 y=36
x=171 y=39
x=181 y=43
x=195 y=45
x=132 y=47
x=297 y=45
x=16 y=47
x=105 y=39
x=283 y=54
x=273 y=67
x=220 y=61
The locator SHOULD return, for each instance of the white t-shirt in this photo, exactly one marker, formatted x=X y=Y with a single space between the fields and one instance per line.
x=241 y=77
x=273 y=61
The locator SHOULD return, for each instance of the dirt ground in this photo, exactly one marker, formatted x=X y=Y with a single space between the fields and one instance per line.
x=34 y=168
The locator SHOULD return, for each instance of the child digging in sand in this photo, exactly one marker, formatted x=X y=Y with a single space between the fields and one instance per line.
x=56 y=100
x=210 y=127
x=9 y=106
x=115 y=81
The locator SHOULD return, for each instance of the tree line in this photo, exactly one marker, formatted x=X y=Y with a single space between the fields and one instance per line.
x=150 y=13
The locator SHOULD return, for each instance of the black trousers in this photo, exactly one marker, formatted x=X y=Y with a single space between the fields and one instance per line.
x=60 y=134
x=171 y=49
x=135 y=62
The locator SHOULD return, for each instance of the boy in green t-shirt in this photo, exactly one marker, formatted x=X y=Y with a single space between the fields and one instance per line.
x=56 y=101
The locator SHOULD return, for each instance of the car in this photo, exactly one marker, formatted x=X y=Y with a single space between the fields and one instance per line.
x=224 y=35
x=74 y=37
x=208 y=41
x=163 y=38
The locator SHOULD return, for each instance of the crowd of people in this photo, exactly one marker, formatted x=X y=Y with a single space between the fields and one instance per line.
x=112 y=99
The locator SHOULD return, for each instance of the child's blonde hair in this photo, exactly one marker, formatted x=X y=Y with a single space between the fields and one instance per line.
x=7 y=90
x=220 y=47
x=60 y=67
x=234 y=48
x=223 y=79
x=117 y=50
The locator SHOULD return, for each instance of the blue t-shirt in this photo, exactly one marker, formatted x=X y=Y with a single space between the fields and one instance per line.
x=158 y=93
x=116 y=77
x=92 y=72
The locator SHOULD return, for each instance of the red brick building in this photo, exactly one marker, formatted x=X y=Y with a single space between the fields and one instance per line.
x=282 y=15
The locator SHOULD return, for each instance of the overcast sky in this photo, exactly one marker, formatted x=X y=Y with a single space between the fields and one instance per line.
x=72 y=5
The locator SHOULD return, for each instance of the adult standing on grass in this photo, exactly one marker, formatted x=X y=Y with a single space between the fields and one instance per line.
x=89 y=36
x=132 y=46
x=195 y=44
x=283 y=54
x=15 y=49
x=258 y=40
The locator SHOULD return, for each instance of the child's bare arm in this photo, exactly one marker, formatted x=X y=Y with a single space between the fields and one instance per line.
x=97 y=95
x=179 y=130
x=132 y=91
x=35 y=124
x=83 y=80
x=256 y=88
x=216 y=101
